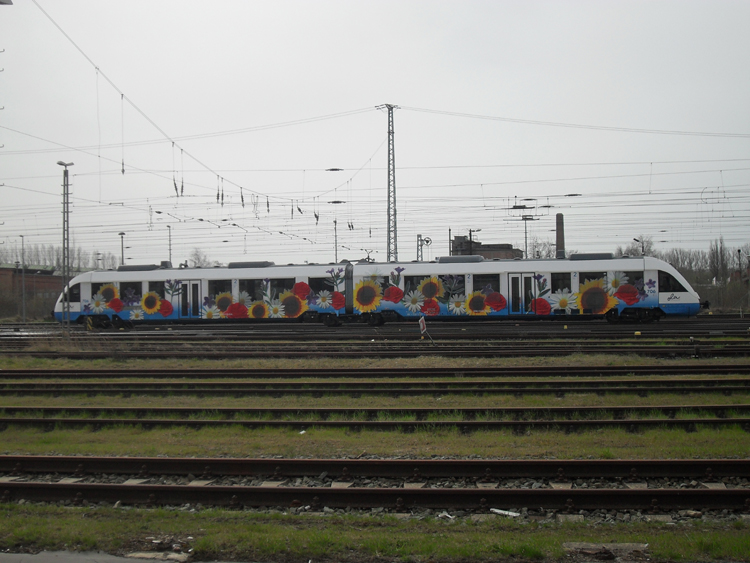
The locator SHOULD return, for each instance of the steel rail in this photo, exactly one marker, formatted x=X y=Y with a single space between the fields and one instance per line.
x=466 y=329
x=358 y=390
x=484 y=470
x=481 y=352
x=371 y=373
x=377 y=351
x=397 y=499
x=420 y=413
x=411 y=334
x=464 y=426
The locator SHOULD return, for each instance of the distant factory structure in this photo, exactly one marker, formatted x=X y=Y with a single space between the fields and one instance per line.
x=464 y=246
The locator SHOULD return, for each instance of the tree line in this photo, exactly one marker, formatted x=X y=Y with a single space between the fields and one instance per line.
x=51 y=256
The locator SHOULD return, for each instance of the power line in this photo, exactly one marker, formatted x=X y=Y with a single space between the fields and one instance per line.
x=580 y=126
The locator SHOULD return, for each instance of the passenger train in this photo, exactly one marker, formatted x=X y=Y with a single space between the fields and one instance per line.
x=448 y=288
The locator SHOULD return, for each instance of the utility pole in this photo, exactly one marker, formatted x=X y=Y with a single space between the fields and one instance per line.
x=23 y=281
x=471 y=241
x=392 y=228
x=66 y=245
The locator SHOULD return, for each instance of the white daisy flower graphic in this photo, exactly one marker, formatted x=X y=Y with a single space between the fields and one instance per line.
x=414 y=301
x=137 y=315
x=324 y=299
x=457 y=304
x=244 y=298
x=276 y=309
x=212 y=312
x=98 y=304
x=563 y=300
x=613 y=281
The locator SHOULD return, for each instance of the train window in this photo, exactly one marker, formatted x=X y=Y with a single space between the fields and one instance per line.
x=454 y=285
x=668 y=283
x=634 y=278
x=432 y=287
x=215 y=287
x=560 y=281
x=321 y=284
x=107 y=290
x=590 y=276
x=75 y=293
x=280 y=285
x=251 y=290
x=157 y=287
x=221 y=293
x=486 y=283
x=130 y=292
x=411 y=283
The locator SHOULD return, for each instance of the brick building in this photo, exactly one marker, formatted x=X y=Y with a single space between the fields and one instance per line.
x=42 y=284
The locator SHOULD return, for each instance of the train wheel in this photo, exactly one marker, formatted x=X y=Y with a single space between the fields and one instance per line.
x=375 y=320
x=613 y=316
x=330 y=320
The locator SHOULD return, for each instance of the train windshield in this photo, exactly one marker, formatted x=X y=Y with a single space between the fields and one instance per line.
x=74 y=293
x=669 y=284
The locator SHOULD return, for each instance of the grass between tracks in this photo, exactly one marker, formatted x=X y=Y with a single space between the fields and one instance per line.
x=226 y=535
x=243 y=536
x=234 y=441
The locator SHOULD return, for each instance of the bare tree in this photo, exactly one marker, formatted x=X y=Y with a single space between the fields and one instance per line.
x=200 y=259
x=541 y=248
x=640 y=246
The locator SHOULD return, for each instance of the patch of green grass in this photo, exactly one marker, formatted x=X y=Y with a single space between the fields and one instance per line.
x=248 y=535
x=238 y=441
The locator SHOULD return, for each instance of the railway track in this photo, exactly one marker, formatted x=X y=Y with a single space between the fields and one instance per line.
x=690 y=350
x=559 y=388
x=361 y=374
x=517 y=419
x=677 y=338
x=475 y=485
x=704 y=326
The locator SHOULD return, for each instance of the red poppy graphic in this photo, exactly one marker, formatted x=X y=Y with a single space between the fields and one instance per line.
x=541 y=307
x=393 y=294
x=496 y=301
x=338 y=300
x=116 y=305
x=236 y=311
x=301 y=290
x=628 y=293
x=165 y=308
x=431 y=307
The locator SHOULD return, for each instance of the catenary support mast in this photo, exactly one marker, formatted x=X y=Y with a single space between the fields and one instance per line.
x=392 y=223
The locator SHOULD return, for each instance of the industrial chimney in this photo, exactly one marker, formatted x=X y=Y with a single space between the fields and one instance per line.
x=560 y=243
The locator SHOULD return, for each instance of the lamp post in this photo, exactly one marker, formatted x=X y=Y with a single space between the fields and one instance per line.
x=66 y=245
x=122 y=248
x=643 y=245
x=23 y=281
x=526 y=219
x=335 y=241
x=336 y=233
x=170 y=243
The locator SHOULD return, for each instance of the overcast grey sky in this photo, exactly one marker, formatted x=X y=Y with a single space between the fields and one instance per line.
x=640 y=107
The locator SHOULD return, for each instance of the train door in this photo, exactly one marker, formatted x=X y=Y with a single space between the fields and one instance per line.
x=521 y=290
x=190 y=304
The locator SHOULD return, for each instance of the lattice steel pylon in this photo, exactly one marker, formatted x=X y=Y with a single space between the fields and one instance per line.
x=392 y=223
